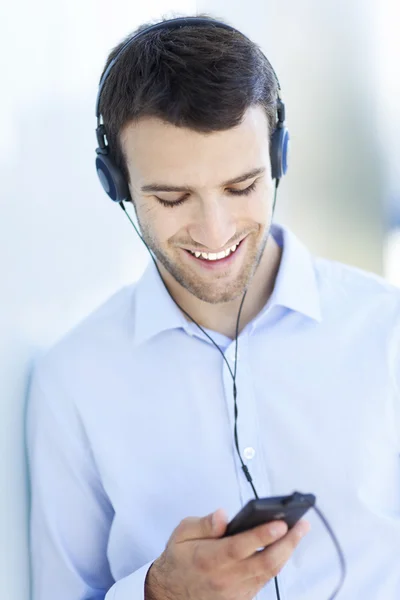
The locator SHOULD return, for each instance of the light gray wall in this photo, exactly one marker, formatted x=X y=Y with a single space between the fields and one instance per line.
x=64 y=247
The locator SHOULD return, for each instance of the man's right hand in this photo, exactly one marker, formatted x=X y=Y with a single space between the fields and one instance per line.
x=197 y=564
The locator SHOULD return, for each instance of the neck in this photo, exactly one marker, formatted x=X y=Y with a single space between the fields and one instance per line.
x=223 y=317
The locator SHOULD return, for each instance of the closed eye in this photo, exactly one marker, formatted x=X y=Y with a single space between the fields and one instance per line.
x=233 y=192
x=244 y=192
x=169 y=203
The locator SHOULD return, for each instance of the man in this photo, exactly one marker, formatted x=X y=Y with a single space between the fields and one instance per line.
x=131 y=415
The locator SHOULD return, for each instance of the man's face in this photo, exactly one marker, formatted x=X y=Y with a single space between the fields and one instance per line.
x=186 y=201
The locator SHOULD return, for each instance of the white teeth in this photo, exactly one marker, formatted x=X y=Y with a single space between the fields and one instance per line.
x=213 y=255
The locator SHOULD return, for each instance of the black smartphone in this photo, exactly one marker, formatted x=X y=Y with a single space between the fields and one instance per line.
x=289 y=509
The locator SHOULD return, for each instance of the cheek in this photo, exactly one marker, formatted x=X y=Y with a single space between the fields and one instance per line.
x=160 y=223
x=166 y=228
x=257 y=208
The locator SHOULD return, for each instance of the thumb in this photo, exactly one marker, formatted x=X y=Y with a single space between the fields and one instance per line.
x=219 y=522
x=213 y=525
x=195 y=528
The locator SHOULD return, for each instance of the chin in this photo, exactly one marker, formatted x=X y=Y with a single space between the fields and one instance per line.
x=218 y=292
x=217 y=297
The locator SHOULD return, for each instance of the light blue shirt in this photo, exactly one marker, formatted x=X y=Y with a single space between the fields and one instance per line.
x=131 y=419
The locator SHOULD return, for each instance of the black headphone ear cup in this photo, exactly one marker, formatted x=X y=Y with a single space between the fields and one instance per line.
x=111 y=178
x=279 y=152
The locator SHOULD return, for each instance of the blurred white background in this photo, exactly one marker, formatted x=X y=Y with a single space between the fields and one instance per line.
x=65 y=247
x=388 y=85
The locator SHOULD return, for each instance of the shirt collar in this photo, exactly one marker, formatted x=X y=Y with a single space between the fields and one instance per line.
x=295 y=288
x=296 y=285
x=154 y=309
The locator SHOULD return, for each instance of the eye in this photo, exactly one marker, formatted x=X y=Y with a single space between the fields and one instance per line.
x=171 y=203
x=244 y=192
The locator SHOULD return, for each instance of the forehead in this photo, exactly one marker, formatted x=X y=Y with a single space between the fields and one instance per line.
x=156 y=150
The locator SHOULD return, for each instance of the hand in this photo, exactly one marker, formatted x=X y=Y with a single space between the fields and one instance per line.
x=198 y=565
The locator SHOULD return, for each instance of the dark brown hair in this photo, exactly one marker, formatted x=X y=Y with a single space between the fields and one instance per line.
x=203 y=78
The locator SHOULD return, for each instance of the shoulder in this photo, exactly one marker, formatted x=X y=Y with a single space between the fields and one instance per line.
x=350 y=290
x=97 y=339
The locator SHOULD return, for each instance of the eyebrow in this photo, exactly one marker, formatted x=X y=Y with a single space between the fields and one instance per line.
x=161 y=187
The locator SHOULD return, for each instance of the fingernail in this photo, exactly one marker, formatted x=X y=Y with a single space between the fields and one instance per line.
x=303 y=528
x=277 y=530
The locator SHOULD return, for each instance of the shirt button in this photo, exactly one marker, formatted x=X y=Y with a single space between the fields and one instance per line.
x=249 y=453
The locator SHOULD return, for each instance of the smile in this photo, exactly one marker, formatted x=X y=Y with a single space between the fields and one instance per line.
x=213 y=256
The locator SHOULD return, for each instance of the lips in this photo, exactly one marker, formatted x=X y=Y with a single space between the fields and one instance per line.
x=215 y=256
x=215 y=263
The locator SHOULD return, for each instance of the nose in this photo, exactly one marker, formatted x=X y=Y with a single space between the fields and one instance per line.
x=214 y=225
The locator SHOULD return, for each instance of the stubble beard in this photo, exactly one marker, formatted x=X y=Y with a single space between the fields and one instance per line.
x=210 y=291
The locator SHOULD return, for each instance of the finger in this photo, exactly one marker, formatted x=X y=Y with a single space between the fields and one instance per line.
x=243 y=545
x=194 y=528
x=269 y=562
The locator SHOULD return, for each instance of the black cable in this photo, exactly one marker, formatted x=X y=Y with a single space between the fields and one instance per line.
x=233 y=375
x=338 y=549
x=244 y=467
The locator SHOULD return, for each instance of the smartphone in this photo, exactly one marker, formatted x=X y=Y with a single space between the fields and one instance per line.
x=289 y=509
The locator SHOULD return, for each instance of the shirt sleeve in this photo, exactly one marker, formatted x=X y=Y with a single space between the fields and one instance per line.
x=394 y=367
x=70 y=513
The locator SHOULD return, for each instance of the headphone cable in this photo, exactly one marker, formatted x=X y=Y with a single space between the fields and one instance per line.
x=233 y=375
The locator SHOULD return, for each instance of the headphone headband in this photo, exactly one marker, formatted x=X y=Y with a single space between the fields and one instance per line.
x=111 y=177
x=171 y=24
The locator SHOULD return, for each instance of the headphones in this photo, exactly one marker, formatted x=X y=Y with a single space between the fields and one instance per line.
x=111 y=178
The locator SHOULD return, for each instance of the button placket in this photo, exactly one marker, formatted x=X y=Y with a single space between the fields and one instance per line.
x=246 y=416
x=231 y=354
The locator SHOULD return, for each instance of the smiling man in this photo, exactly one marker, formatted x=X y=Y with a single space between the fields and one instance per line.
x=239 y=366
x=205 y=210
